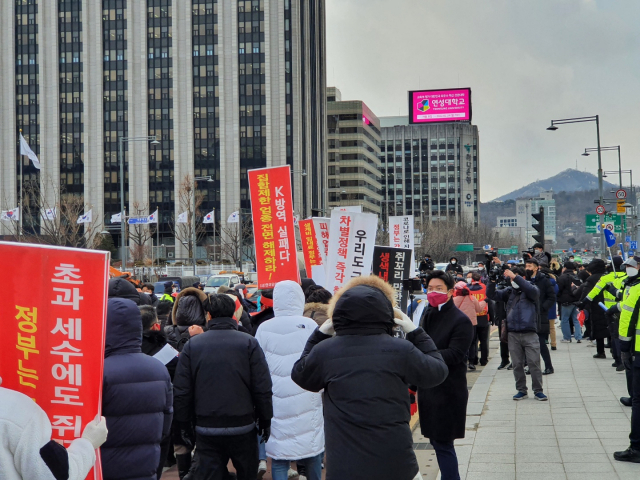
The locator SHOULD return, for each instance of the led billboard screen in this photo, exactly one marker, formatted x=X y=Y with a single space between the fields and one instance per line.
x=436 y=106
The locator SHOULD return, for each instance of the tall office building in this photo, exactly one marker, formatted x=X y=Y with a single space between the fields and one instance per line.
x=430 y=171
x=354 y=167
x=225 y=86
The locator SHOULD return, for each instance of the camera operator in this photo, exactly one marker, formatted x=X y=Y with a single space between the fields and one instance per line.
x=523 y=324
x=546 y=301
x=426 y=265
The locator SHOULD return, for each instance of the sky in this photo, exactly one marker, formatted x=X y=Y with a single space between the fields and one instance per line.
x=526 y=62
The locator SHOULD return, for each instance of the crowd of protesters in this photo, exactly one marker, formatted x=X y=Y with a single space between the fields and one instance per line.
x=312 y=380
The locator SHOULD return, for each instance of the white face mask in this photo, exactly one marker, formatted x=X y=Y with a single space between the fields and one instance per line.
x=515 y=285
x=632 y=272
x=469 y=280
x=453 y=262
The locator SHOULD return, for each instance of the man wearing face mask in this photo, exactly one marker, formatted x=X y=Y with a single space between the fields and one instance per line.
x=454 y=267
x=523 y=324
x=630 y=347
x=546 y=300
x=540 y=256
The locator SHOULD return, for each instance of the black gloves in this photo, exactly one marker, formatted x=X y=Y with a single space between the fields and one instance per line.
x=626 y=359
x=610 y=287
x=265 y=433
x=183 y=434
x=582 y=304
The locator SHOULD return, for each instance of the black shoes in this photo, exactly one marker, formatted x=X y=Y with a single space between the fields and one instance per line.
x=472 y=366
x=626 y=401
x=629 y=455
x=615 y=364
x=599 y=355
x=504 y=365
x=554 y=348
x=548 y=371
x=483 y=363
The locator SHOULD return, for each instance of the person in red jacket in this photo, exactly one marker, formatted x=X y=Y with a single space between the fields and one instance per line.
x=479 y=291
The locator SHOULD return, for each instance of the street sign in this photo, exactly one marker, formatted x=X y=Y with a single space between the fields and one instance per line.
x=139 y=221
x=508 y=251
x=621 y=193
x=600 y=210
x=592 y=223
x=633 y=245
x=627 y=238
x=464 y=247
x=620 y=206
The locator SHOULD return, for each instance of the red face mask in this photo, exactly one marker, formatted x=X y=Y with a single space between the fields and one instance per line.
x=436 y=299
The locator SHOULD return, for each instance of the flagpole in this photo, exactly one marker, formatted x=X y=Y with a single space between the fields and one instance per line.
x=21 y=207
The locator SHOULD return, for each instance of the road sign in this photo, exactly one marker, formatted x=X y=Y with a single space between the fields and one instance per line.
x=620 y=206
x=592 y=223
x=621 y=193
x=627 y=238
x=633 y=245
x=600 y=210
x=139 y=221
x=508 y=251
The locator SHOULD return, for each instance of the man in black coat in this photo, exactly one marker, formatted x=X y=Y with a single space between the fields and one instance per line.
x=426 y=265
x=567 y=300
x=364 y=372
x=546 y=300
x=454 y=267
x=137 y=398
x=598 y=328
x=443 y=408
x=223 y=385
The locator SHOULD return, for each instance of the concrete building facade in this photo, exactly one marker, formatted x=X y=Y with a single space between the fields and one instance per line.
x=430 y=171
x=226 y=86
x=354 y=169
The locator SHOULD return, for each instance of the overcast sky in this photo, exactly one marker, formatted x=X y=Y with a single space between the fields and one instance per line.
x=526 y=61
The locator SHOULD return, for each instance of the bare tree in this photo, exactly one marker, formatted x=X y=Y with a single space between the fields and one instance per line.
x=183 y=232
x=139 y=236
x=230 y=246
x=54 y=213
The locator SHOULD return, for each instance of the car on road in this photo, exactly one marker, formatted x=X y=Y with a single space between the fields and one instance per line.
x=441 y=266
x=228 y=280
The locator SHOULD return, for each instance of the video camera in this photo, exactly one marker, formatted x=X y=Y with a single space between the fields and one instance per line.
x=495 y=271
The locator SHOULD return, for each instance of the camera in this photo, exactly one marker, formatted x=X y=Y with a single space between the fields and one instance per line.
x=495 y=272
x=412 y=285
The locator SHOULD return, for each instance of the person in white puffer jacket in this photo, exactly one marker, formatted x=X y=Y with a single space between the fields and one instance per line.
x=297 y=427
x=27 y=451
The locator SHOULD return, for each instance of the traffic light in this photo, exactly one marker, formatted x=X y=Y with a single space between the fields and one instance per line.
x=539 y=227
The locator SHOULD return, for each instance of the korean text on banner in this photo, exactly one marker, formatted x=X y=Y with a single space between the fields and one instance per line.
x=393 y=266
x=55 y=333
x=313 y=261
x=401 y=235
x=273 y=227
x=321 y=227
x=352 y=237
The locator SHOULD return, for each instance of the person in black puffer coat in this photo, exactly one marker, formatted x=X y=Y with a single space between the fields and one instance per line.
x=365 y=372
x=598 y=322
x=454 y=267
x=122 y=288
x=137 y=398
x=187 y=313
x=546 y=300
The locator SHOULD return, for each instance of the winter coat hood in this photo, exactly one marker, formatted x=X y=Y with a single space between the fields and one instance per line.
x=364 y=304
x=288 y=299
x=187 y=309
x=316 y=312
x=124 y=327
x=123 y=288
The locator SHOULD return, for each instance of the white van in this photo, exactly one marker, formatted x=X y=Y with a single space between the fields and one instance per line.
x=213 y=283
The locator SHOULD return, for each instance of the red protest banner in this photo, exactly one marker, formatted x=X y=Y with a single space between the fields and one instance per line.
x=54 y=316
x=310 y=247
x=273 y=225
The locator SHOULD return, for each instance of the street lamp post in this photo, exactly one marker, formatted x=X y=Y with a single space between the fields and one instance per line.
x=596 y=119
x=194 y=238
x=607 y=149
x=121 y=141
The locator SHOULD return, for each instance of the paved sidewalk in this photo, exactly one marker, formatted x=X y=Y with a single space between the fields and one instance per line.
x=572 y=436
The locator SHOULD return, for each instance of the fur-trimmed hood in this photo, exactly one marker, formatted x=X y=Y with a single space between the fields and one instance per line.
x=318 y=312
x=187 y=313
x=364 y=304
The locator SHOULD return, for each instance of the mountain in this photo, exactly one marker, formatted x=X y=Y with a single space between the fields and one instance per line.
x=568 y=181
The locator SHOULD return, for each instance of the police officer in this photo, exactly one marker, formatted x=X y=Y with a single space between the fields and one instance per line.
x=630 y=347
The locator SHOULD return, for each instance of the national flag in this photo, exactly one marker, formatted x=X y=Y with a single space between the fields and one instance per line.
x=117 y=218
x=11 y=215
x=210 y=217
x=183 y=217
x=86 y=218
x=49 y=214
x=153 y=218
x=25 y=149
x=234 y=218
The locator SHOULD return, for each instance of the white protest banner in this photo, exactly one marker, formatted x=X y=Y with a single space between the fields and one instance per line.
x=352 y=237
x=401 y=235
x=350 y=208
